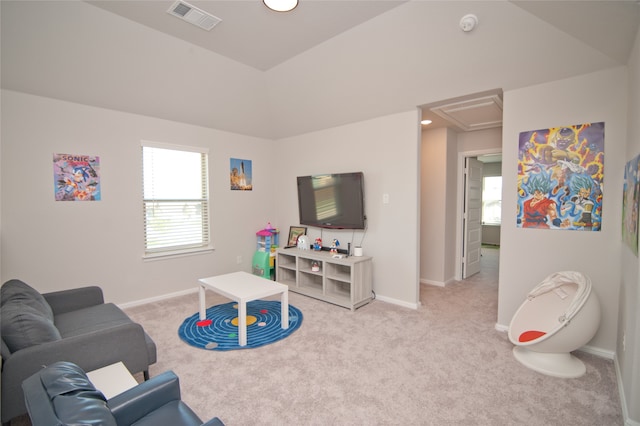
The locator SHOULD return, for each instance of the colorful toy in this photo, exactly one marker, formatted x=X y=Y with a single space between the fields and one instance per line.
x=263 y=263
x=268 y=238
x=317 y=245
x=334 y=246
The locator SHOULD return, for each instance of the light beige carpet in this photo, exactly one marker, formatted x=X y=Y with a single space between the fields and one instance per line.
x=443 y=364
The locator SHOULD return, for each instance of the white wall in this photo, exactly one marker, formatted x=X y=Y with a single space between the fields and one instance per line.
x=437 y=213
x=75 y=243
x=527 y=255
x=628 y=354
x=386 y=150
x=56 y=245
x=480 y=141
x=451 y=203
x=491 y=234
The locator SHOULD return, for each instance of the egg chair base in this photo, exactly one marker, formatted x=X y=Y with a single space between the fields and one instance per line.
x=563 y=365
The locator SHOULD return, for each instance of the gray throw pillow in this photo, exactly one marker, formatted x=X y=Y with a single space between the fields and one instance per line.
x=24 y=326
x=18 y=291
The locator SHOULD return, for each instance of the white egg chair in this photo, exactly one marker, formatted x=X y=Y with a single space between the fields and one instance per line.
x=560 y=315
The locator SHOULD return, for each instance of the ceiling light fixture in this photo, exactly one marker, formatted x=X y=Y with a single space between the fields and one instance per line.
x=426 y=122
x=281 y=5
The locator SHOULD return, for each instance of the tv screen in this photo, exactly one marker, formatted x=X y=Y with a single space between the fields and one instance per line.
x=332 y=201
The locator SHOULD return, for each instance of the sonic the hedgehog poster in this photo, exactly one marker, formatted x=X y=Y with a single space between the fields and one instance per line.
x=76 y=177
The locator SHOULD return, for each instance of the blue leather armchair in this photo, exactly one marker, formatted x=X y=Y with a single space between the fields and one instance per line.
x=62 y=394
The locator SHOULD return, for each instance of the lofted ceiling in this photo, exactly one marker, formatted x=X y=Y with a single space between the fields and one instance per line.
x=326 y=63
x=260 y=38
x=253 y=35
x=249 y=32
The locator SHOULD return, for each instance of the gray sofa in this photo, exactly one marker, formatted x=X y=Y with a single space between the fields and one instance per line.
x=62 y=394
x=69 y=325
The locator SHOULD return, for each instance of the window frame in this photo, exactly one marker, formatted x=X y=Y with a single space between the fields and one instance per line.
x=187 y=249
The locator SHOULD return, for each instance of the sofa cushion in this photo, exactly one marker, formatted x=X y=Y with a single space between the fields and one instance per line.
x=75 y=399
x=88 y=320
x=24 y=326
x=16 y=291
x=97 y=318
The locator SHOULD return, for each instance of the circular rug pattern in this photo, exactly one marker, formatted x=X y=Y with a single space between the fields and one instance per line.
x=222 y=334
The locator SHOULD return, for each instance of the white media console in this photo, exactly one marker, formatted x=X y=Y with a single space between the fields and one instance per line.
x=342 y=281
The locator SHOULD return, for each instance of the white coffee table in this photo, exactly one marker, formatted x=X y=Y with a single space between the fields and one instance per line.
x=243 y=287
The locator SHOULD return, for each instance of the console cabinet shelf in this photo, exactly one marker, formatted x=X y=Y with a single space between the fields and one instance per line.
x=346 y=282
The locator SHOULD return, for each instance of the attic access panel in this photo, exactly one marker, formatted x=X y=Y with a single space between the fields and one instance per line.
x=474 y=114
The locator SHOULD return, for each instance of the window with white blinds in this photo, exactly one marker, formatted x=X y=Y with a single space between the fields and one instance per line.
x=175 y=199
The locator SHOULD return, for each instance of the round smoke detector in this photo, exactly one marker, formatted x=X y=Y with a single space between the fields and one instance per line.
x=468 y=22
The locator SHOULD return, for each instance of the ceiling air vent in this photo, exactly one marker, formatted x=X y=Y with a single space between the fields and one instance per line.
x=193 y=15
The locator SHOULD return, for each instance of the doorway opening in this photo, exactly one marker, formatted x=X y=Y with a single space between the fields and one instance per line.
x=473 y=128
x=473 y=235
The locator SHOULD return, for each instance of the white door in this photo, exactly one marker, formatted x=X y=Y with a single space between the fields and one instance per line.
x=472 y=217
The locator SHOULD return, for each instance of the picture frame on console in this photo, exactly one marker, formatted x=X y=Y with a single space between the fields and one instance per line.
x=294 y=233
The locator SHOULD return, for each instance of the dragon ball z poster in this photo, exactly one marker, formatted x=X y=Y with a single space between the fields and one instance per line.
x=560 y=178
x=630 y=200
x=76 y=177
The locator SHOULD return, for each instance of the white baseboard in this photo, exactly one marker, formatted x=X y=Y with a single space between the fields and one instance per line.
x=431 y=282
x=602 y=353
x=437 y=283
x=623 y=399
x=157 y=298
x=398 y=302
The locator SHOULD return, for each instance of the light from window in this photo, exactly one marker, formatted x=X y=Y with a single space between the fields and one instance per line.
x=176 y=199
x=492 y=200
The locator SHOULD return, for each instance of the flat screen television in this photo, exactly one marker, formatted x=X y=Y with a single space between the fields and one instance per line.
x=332 y=201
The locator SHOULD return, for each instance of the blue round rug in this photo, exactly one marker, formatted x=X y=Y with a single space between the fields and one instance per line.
x=263 y=326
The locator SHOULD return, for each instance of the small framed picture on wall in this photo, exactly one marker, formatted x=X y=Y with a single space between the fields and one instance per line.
x=240 y=175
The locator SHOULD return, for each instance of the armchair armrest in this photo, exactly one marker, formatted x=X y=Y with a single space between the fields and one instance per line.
x=71 y=300
x=124 y=343
x=135 y=403
x=37 y=401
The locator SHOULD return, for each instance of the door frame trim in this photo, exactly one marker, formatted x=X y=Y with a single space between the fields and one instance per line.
x=460 y=203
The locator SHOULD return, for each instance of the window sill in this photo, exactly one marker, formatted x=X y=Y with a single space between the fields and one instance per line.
x=147 y=257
